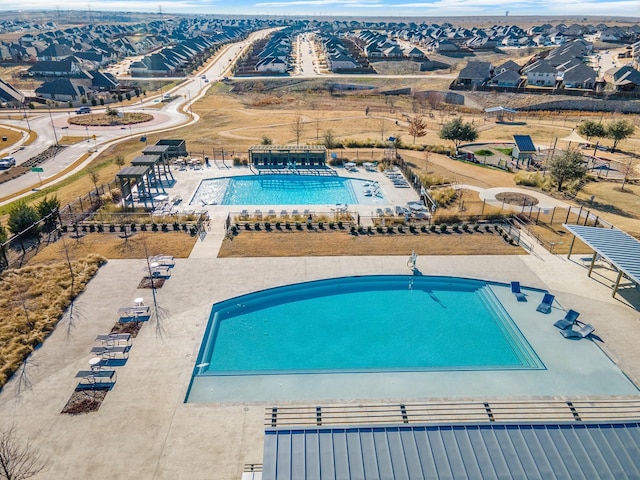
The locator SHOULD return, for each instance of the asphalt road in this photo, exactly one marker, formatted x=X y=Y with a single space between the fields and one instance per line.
x=51 y=125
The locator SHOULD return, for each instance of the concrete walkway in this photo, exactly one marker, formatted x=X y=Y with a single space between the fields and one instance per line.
x=545 y=202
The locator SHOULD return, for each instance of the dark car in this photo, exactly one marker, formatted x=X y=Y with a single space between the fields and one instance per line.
x=82 y=110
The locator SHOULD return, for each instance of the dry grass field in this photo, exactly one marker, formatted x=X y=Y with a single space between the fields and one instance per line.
x=113 y=246
x=33 y=301
x=12 y=137
x=328 y=243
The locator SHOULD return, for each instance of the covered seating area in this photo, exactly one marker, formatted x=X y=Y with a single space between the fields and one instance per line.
x=287 y=156
x=501 y=113
x=616 y=247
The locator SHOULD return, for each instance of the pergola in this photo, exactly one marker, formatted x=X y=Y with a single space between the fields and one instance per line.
x=160 y=173
x=135 y=177
x=617 y=247
x=500 y=113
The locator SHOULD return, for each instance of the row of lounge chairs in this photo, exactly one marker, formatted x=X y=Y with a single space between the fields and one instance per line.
x=396 y=178
x=569 y=325
x=113 y=350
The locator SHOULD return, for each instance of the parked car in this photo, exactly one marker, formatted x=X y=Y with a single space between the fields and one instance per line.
x=82 y=110
x=7 y=162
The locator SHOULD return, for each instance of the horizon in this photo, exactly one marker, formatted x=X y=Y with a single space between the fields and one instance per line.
x=349 y=8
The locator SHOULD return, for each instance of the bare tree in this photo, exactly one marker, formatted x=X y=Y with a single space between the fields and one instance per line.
x=93 y=176
x=417 y=127
x=18 y=460
x=297 y=128
x=119 y=160
x=626 y=170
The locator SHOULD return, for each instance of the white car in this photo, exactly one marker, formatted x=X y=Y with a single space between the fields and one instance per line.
x=7 y=162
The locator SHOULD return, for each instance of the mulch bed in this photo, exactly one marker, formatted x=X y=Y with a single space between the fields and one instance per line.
x=513 y=198
x=132 y=328
x=148 y=282
x=85 y=401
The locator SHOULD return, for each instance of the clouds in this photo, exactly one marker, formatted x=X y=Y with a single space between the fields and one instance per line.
x=432 y=8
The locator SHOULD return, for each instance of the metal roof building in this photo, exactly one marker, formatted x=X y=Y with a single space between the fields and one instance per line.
x=457 y=451
x=618 y=247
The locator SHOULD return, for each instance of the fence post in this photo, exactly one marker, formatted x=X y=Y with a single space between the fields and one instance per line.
x=81 y=207
x=566 y=220
x=553 y=212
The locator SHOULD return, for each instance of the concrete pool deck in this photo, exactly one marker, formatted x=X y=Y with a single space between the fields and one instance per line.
x=144 y=430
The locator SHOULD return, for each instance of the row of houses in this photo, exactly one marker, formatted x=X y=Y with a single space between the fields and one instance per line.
x=447 y=39
x=561 y=67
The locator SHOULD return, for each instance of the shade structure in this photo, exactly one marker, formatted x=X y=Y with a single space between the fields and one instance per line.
x=456 y=451
x=618 y=247
x=573 y=137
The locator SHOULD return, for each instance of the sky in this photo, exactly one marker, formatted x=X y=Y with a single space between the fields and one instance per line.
x=359 y=8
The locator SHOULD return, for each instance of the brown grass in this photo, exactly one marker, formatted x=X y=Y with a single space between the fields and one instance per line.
x=113 y=246
x=12 y=137
x=33 y=301
x=556 y=238
x=622 y=208
x=297 y=244
x=69 y=140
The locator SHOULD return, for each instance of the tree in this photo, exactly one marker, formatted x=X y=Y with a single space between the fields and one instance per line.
x=457 y=131
x=21 y=217
x=119 y=160
x=112 y=112
x=329 y=139
x=3 y=234
x=417 y=127
x=266 y=140
x=46 y=207
x=569 y=166
x=590 y=129
x=619 y=130
x=18 y=461
x=297 y=128
x=93 y=176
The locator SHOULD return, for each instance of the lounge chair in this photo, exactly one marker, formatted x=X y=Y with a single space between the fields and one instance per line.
x=160 y=272
x=515 y=289
x=545 y=305
x=569 y=319
x=163 y=260
x=110 y=352
x=580 y=332
x=112 y=339
x=96 y=378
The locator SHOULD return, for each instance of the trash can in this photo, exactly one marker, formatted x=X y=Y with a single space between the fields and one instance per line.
x=4 y=139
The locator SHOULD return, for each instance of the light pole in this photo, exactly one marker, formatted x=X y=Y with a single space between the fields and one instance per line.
x=26 y=117
x=55 y=135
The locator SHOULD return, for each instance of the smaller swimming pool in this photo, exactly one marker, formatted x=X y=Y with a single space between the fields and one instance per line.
x=287 y=190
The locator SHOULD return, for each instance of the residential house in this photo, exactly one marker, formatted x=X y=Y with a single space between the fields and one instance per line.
x=475 y=73
x=271 y=65
x=62 y=89
x=624 y=78
x=68 y=67
x=541 y=74
x=506 y=78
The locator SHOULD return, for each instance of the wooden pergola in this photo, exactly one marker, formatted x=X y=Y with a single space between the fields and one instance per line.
x=160 y=171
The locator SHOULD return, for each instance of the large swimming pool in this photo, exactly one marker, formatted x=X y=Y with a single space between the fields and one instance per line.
x=393 y=337
x=287 y=190
x=373 y=323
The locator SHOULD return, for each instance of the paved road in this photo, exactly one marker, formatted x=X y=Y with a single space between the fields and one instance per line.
x=51 y=126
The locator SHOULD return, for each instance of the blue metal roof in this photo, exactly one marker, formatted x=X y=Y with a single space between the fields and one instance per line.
x=462 y=451
x=524 y=143
x=620 y=248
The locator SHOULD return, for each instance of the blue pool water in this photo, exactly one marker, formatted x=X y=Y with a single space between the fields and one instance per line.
x=371 y=323
x=285 y=190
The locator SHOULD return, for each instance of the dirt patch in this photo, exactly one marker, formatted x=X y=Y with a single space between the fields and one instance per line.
x=513 y=198
x=85 y=400
x=341 y=243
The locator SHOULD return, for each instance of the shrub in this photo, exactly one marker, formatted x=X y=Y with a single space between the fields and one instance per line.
x=487 y=228
x=443 y=196
x=267 y=226
x=465 y=227
x=352 y=230
x=432 y=228
x=100 y=228
x=164 y=227
x=176 y=227
x=529 y=179
x=424 y=229
x=278 y=226
x=257 y=226
x=476 y=227
x=320 y=225
x=369 y=230
x=247 y=226
x=112 y=228
x=298 y=226
x=379 y=229
x=390 y=229
x=340 y=226
x=332 y=225
x=287 y=225
x=455 y=227
x=443 y=227
x=21 y=217
x=400 y=229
